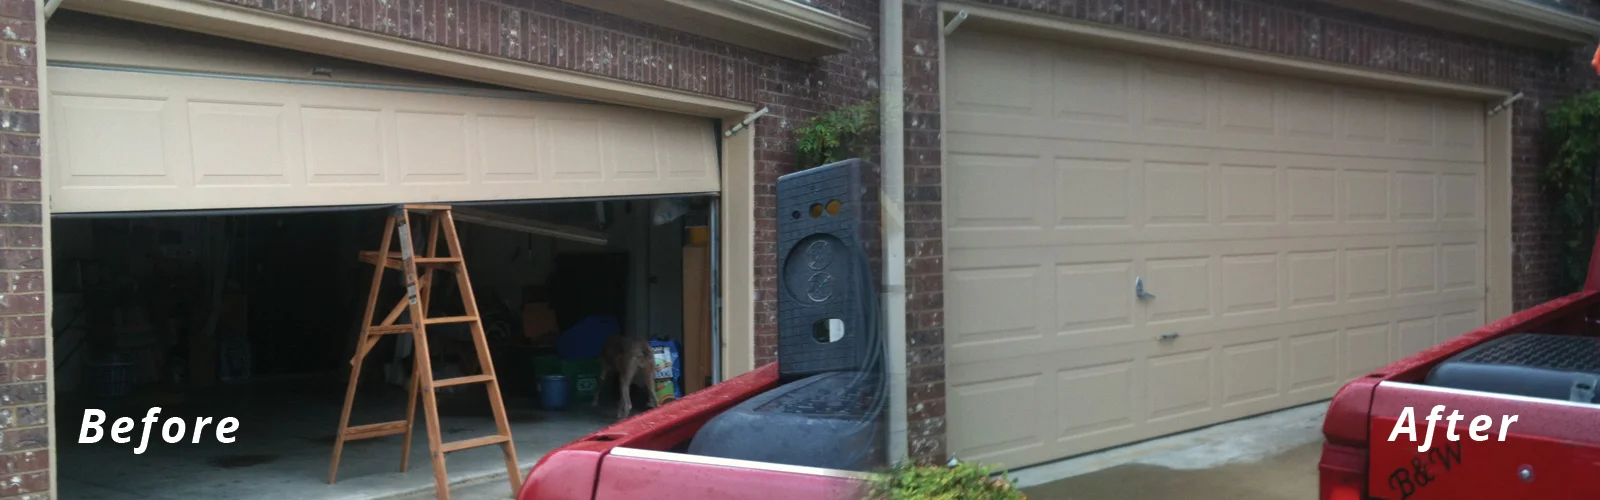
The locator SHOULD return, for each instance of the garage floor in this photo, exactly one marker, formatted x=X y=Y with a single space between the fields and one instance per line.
x=285 y=441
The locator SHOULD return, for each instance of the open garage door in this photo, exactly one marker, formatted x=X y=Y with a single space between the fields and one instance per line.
x=142 y=122
x=1289 y=235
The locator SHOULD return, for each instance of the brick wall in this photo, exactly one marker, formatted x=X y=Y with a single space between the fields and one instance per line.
x=24 y=431
x=1306 y=30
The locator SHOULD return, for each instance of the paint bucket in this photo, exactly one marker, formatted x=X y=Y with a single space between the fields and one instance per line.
x=553 y=392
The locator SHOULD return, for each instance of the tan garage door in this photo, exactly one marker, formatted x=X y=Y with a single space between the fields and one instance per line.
x=187 y=136
x=1294 y=235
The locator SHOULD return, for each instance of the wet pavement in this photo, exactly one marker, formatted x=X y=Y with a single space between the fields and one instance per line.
x=1291 y=475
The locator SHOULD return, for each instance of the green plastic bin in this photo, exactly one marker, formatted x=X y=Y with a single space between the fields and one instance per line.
x=583 y=375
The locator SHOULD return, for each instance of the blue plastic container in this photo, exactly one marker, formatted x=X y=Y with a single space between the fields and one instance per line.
x=553 y=392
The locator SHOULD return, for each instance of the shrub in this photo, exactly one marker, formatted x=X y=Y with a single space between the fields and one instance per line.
x=963 y=481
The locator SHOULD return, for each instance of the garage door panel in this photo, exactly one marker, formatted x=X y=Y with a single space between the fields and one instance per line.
x=1122 y=193
x=239 y=144
x=1251 y=371
x=1094 y=306
x=1089 y=298
x=1313 y=361
x=1113 y=386
x=431 y=147
x=1004 y=193
x=1186 y=104
x=227 y=143
x=1150 y=389
x=1009 y=303
x=1010 y=410
x=504 y=145
x=113 y=140
x=1294 y=234
x=343 y=146
x=1179 y=384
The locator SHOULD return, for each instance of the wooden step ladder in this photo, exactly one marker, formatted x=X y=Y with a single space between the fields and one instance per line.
x=415 y=304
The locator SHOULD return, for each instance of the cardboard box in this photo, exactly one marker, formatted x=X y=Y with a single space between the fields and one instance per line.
x=538 y=320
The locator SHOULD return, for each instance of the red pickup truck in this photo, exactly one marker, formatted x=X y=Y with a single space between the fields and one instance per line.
x=1517 y=395
x=645 y=457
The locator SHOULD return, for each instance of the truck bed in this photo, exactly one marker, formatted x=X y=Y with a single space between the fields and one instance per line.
x=643 y=458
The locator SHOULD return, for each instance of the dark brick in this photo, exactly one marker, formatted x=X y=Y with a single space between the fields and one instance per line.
x=19 y=145
x=17 y=54
x=925 y=355
x=925 y=392
x=22 y=439
x=21 y=213
x=17 y=9
x=23 y=282
x=926 y=409
x=13 y=349
x=16 y=30
x=31 y=482
x=20 y=190
x=19 y=121
x=19 y=167
x=22 y=237
x=19 y=76
x=13 y=259
x=925 y=374
x=27 y=371
x=22 y=99
x=14 y=394
x=26 y=461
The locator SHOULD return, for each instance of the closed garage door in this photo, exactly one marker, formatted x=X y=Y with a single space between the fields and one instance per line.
x=192 y=134
x=1293 y=235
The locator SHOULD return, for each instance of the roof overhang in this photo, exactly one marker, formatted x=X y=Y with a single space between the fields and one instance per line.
x=783 y=27
x=1521 y=22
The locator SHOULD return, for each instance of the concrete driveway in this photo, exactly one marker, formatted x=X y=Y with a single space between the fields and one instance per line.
x=1270 y=457
x=1291 y=475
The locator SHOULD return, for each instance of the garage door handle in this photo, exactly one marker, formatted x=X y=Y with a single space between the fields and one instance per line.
x=1138 y=289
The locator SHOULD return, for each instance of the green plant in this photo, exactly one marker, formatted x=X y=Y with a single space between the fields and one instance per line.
x=835 y=135
x=1573 y=129
x=937 y=482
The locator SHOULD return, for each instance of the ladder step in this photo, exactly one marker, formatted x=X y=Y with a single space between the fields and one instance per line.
x=388 y=329
x=472 y=443
x=449 y=319
x=470 y=379
x=437 y=260
x=427 y=207
x=370 y=431
x=394 y=261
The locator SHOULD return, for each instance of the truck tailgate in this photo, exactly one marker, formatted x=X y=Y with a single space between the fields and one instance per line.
x=1551 y=451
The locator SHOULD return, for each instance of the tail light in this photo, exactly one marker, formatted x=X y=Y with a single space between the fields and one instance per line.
x=1343 y=473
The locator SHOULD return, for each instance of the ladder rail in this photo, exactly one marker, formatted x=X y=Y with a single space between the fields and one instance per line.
x=424 y=365
x=486 y=365
x=361 y=350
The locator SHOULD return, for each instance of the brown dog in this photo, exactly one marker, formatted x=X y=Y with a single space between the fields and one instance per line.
x=634 y=363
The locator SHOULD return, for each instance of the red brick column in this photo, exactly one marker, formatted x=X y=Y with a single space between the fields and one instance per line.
x=925 y=412
x=24 y=422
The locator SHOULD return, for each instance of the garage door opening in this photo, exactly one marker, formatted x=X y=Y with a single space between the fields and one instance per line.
x=255 y=316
